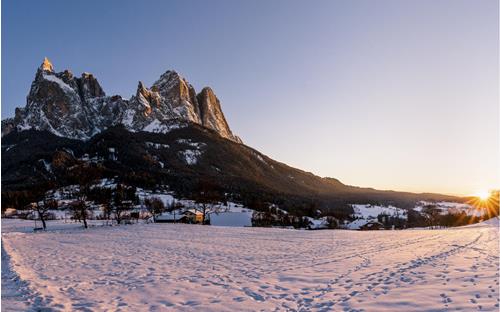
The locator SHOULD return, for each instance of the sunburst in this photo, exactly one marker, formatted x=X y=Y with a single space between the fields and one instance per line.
x=487 y=202
x=482 y=195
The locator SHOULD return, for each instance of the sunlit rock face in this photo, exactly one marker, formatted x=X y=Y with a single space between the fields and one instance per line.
x=211 y=114
x=47 y=65
x=79 y=108
x=178 y=96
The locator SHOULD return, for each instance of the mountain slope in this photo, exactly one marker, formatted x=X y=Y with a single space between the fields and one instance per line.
x=182 y=159
x=164 y=135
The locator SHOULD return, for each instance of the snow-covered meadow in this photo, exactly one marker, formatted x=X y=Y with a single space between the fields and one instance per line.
x=158 y=267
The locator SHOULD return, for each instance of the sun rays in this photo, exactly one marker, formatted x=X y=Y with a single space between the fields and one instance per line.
x=487 y=202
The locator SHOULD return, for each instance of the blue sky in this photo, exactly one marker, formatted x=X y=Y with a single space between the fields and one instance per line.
x=389 y=94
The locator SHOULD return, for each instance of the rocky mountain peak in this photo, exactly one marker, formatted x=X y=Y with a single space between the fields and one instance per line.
x=148 y=98
x=179 y=95
x=47 y=65
x=211 y=113
x=89 y=87
x=77 y=107
x=140 y=87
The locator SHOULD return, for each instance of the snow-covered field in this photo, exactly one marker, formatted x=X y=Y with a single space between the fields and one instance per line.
x=158 y=267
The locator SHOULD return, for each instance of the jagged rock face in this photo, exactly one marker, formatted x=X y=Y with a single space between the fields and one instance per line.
x=54 y=104
x=89 y=87
x=79 y=108
x=178 y=96
x=211 y=114
x=146 y=98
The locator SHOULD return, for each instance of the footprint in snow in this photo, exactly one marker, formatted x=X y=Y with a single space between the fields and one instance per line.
x=354 y=293
x=191 y=303
x=255 y=296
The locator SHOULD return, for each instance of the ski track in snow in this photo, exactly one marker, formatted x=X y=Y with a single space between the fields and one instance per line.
x=158 y=267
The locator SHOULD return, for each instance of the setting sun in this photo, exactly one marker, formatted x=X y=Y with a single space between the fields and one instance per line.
x=483 y=195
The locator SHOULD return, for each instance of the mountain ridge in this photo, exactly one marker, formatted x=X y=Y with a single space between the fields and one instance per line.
x=78 y=107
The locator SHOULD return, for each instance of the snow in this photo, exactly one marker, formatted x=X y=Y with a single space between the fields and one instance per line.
x=166 y=198
x=157 y=126
x=59 y=81
x=154 y=126
x=142 y=100
x=23 y=126
x=196 y=145
x=156 y=145
x=321 y=223
x=237 y=214
x=128 y=118
x=229 y=214
x=373 y=211
x=231 y=219
x=179 y=267
x=366 y=213
x=190 y=156
x=46 y=164
x=261 y=159
x=16 y=295
x=451 y=207
x=46 y=122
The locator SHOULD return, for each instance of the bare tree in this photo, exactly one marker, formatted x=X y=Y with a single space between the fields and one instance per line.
x=432 y=214
x=42 y=212
x=79 y=207
x=80 y=211
x=154 y=206
x=120 y=203
x=87 y=176
x=107 y=210
x=103 y=197
x=119 y=210
x=207 y=196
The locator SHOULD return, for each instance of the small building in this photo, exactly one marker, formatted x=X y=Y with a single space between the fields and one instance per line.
x=194 y=216
x=172 y=217
x=372 y=225
x=179 y=216
x=10 y=212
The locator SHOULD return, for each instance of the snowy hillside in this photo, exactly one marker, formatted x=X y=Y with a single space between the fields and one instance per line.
x=451 y=207
x=366 y=213
x=177 y=267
